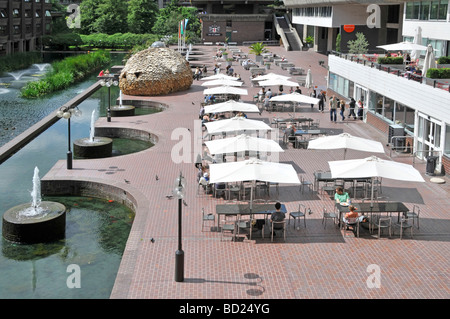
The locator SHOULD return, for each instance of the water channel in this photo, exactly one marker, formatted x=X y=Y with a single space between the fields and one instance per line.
x=96 y=229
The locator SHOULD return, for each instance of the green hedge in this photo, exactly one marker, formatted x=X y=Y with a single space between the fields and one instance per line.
x=19 y=61
x=442 y=73
x=444 y=60
x=66 y=72
x=390 y=60
x=98 y=40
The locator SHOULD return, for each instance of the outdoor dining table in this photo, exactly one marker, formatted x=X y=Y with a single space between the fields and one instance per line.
x=326 y=177
x=297 y=120
x=244 y=209
x=373 y=208
x=300 y=134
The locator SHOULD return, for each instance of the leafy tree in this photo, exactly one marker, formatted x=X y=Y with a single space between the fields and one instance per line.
x=170 y=16
x=89 y=15
x=141 y=15
x=112 y=16
x=359 y=45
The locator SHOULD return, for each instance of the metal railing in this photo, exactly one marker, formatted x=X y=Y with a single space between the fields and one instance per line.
x=435 y=83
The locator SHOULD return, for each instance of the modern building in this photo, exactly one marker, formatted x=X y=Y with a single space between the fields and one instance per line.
x=22 y=24
x=235 y=21
x=416 y=114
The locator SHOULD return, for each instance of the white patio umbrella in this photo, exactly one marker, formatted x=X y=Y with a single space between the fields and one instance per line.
x=236 y=124
x=225 y=82
x=253 y=170
x=346 y=141
x=219 y=76
x=415 y=54
x=242 y=143
x=308 y=80
x=295 y=97
x=225 y=90
x=430 y=60
x=374 y=167
x=278 y=81
x=270 y=76
x=403 y=46
x=231 y=106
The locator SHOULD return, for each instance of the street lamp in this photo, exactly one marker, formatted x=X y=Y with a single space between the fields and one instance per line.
x=179 y=193
x=66 y=113
x=108 y=80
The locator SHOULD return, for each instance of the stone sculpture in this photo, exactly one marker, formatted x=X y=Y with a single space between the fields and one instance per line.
x=155 y=71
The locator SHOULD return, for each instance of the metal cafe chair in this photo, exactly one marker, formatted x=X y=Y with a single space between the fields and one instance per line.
x=328 y=215
x=298 y=214
x=207 y=218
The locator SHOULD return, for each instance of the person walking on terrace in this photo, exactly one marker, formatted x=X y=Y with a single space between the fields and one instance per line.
x=333 y=108
x=322 y=99
x=351 y=106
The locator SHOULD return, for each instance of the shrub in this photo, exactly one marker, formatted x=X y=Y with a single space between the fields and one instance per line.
x=390 y=60
x=443 y=73
x=444 y=60
x=65 y=73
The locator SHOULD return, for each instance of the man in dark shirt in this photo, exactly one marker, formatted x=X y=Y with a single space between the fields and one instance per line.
x=277 y=216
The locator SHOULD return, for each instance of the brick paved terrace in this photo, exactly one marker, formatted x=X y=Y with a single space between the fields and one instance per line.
x=314 y=262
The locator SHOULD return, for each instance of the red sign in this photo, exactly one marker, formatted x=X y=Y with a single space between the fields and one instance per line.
x=349 y=28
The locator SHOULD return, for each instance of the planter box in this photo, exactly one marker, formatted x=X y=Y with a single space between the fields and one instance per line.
x=440 y=66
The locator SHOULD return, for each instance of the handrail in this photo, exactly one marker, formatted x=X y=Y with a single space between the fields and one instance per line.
x=294 y=32
x=280 y=32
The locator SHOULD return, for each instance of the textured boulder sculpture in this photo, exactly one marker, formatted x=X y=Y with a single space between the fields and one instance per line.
x=155 y=71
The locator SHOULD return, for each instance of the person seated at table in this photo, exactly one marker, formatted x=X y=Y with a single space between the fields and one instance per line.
x=277 y=216
x=290 y=134
x=340 y=196
x=352 y=214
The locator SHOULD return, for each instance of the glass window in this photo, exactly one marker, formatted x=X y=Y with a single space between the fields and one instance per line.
x=2 y=29
x=416 y=10
x=434 y=10
x=443 y=7
x=388 y=111
x=47 y=13
x=16 y=13
x=38 y=13
x=409 y=10
x=409 y=119
x=425 y=10
x=3 y=13
x=447 y=140
x=376 y=103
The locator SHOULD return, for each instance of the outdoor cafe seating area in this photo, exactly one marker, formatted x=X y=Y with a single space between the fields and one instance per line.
x=236 y=171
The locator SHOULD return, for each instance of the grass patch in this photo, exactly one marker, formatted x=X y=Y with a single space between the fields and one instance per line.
x=66 y=72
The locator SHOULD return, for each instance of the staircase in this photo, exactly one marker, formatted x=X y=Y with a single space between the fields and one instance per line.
x=289 y=34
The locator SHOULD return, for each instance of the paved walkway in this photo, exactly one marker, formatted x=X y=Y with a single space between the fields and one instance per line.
x=314 y=262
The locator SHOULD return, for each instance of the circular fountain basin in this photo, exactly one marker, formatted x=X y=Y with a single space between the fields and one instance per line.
x=122 y=110
x=99 y=148
x=27 y=225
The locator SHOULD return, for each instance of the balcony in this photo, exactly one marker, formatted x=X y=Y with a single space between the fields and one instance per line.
x=236 y=17
x=369 y=60
x=427 y=96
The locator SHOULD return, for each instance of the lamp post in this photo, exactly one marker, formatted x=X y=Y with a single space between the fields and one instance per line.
x=179 y=193
x=108 y=80
x=66 y=113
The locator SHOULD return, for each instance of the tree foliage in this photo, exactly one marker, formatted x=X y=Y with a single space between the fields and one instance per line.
x=170 y=16
x=141 y=15
x=359 y=45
